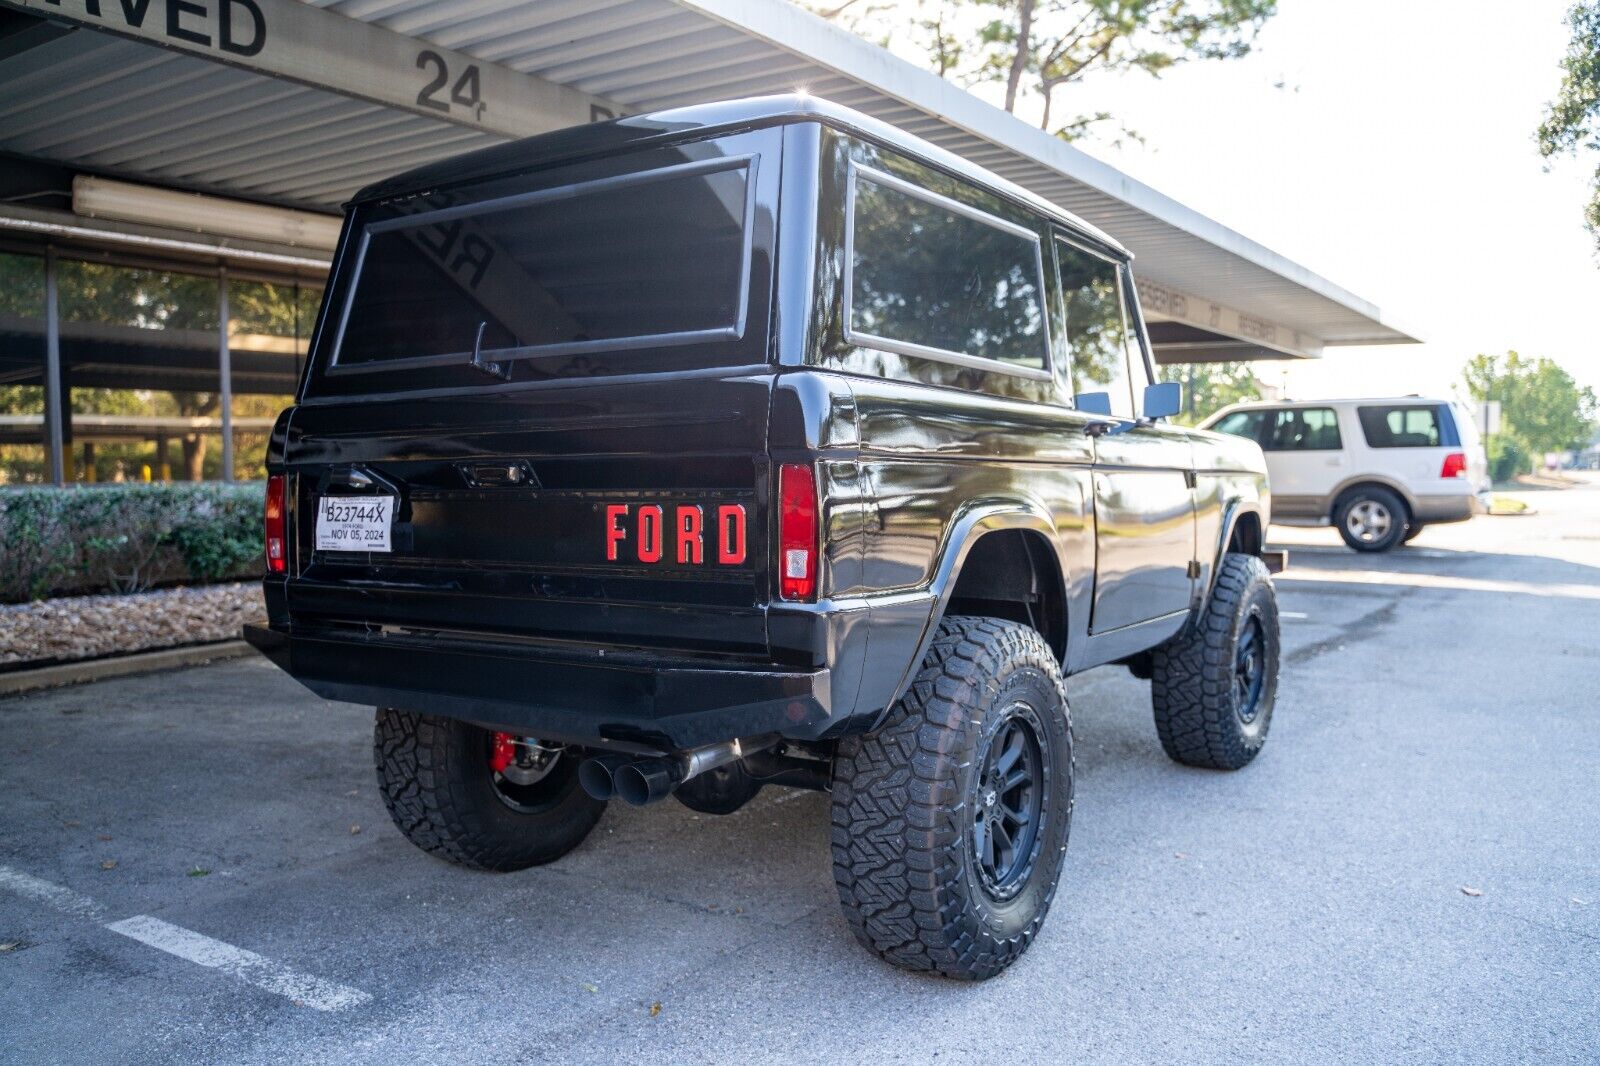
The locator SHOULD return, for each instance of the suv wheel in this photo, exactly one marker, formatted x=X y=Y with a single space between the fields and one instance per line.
x=950 y=822
x=486 y=800
x=1213 y=685
x=1371 y=519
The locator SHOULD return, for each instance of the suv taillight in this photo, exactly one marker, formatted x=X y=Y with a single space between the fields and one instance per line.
x=277 y=559
x=1455 y=465
x=797 y=532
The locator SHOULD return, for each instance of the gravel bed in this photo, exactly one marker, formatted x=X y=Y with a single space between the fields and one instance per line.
x=85 y=627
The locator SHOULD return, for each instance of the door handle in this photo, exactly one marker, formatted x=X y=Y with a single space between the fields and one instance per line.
x=352 y=478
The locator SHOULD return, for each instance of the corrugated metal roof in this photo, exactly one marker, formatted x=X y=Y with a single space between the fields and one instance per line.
x=131 y=109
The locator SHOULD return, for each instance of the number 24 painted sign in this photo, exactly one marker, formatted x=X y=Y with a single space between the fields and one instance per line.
x=466 y=91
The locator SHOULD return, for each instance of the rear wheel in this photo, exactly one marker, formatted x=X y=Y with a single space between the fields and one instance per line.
x=1411 y=531
x=950 y=822
x=491 y=801
x=1371 y=519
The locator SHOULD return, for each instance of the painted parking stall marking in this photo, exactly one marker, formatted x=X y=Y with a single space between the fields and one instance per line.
x=303 y=989
x=247 y=966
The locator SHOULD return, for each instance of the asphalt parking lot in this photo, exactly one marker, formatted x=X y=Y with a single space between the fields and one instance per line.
x=196 y=865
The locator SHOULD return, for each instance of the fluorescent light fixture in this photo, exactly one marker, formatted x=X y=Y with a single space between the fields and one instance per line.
x=213 y=215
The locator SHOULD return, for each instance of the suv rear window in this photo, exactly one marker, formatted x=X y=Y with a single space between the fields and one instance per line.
x=935 y=278
x=641 y=260
x=1402 y=426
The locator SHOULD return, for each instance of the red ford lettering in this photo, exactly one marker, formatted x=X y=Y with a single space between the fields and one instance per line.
x=639 y=533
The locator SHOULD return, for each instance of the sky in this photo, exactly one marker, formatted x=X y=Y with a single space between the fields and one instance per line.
x=1398 y=161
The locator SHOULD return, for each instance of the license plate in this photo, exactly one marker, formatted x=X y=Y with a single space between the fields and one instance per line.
x=354 y=523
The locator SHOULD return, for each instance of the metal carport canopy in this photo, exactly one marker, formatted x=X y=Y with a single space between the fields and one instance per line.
x=301 y=103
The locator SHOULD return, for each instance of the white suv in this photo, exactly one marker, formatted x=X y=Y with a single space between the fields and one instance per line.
x=1378 y=470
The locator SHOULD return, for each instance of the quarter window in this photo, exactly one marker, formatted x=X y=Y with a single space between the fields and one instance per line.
x=933 y=277
x=1410 y=426
x=1096 y=331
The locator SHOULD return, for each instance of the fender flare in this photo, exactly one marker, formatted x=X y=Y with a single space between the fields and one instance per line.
x=1233 y=510
x=978 y=520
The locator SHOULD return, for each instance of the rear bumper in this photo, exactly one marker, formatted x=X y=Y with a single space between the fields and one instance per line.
x=598 y=696
x=1453 y=508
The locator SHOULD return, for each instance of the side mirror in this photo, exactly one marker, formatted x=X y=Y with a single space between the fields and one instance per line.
x=1162 y=400
x=1093 y=403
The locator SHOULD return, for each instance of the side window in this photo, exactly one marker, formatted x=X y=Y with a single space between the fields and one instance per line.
x=1304 y=430
x=1408 y=426
x=936 y=278
x=1096 y=331
x=1243 y=424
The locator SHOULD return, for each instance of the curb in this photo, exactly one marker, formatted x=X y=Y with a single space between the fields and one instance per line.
x=144 y=662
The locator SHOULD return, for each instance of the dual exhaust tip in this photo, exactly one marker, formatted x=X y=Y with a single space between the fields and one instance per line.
x=639 y=782
x=651 y=779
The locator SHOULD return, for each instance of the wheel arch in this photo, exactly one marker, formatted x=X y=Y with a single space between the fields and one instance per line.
x=1360 y=481
x=983 y=555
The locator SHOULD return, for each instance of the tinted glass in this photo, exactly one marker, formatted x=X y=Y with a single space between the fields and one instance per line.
x=1243 y=424
x=1096 y=334
x=1303 y=430
x=1400 y=427
x=640 y=258
x=926 y=274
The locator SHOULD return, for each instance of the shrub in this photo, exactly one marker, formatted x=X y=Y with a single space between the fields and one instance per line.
x=125 y=538
x=1508 y=457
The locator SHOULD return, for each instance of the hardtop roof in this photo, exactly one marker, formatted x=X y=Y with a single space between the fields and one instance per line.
x=700 y=122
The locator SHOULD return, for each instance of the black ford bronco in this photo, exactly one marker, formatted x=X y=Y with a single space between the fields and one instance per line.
x=746 y=444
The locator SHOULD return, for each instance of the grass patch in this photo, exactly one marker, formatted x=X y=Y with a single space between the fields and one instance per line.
x=1506 y=505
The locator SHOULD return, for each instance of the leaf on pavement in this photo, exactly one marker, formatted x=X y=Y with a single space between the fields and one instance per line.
x=655 y=1009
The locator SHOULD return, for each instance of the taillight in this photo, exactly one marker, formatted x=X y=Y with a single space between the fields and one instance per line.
x=1455 y=465
x=277 y=560
x=797 y=532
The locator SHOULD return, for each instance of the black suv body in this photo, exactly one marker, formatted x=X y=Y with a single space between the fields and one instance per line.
x=668 y=454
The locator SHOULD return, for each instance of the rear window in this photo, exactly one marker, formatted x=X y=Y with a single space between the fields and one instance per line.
x=935 y=278
x=1402 y=426
x=640 y=260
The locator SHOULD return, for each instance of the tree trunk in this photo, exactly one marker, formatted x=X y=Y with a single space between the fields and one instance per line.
x=1019 y=61
x=194 y=457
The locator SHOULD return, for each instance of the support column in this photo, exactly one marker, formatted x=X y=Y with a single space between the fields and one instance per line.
x=54 y=402
x=225 y=368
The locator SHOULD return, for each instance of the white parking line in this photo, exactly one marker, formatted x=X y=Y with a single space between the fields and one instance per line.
x=202 y=950
x=1294 y=616
x=60 y=897
x=247 y=966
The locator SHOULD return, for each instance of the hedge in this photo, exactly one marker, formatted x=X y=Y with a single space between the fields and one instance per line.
x=126 y=538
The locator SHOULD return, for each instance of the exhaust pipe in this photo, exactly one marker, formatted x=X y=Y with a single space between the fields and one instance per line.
x=595 y=774
x=648 y=781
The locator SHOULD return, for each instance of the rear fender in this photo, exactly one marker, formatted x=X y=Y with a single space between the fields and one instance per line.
x=977 y=521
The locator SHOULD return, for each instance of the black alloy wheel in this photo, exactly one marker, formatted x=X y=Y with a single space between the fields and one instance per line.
x=1008 y=802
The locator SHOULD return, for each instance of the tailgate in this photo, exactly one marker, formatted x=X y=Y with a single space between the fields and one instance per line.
x=625 y=514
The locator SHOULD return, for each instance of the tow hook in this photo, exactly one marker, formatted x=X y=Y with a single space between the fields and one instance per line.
x=502 y=753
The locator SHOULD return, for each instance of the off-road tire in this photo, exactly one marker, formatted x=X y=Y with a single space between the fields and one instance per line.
x=435 y=779
x=1399 y=518
x=905 y=798
x=1195 y=679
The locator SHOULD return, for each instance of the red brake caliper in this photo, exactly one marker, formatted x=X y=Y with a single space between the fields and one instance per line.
x=502 y=753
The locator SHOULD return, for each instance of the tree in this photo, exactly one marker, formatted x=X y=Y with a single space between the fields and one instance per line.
x=1541 y=407
x=1209 y=387
x=1039 y=46
x=1572 y=121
